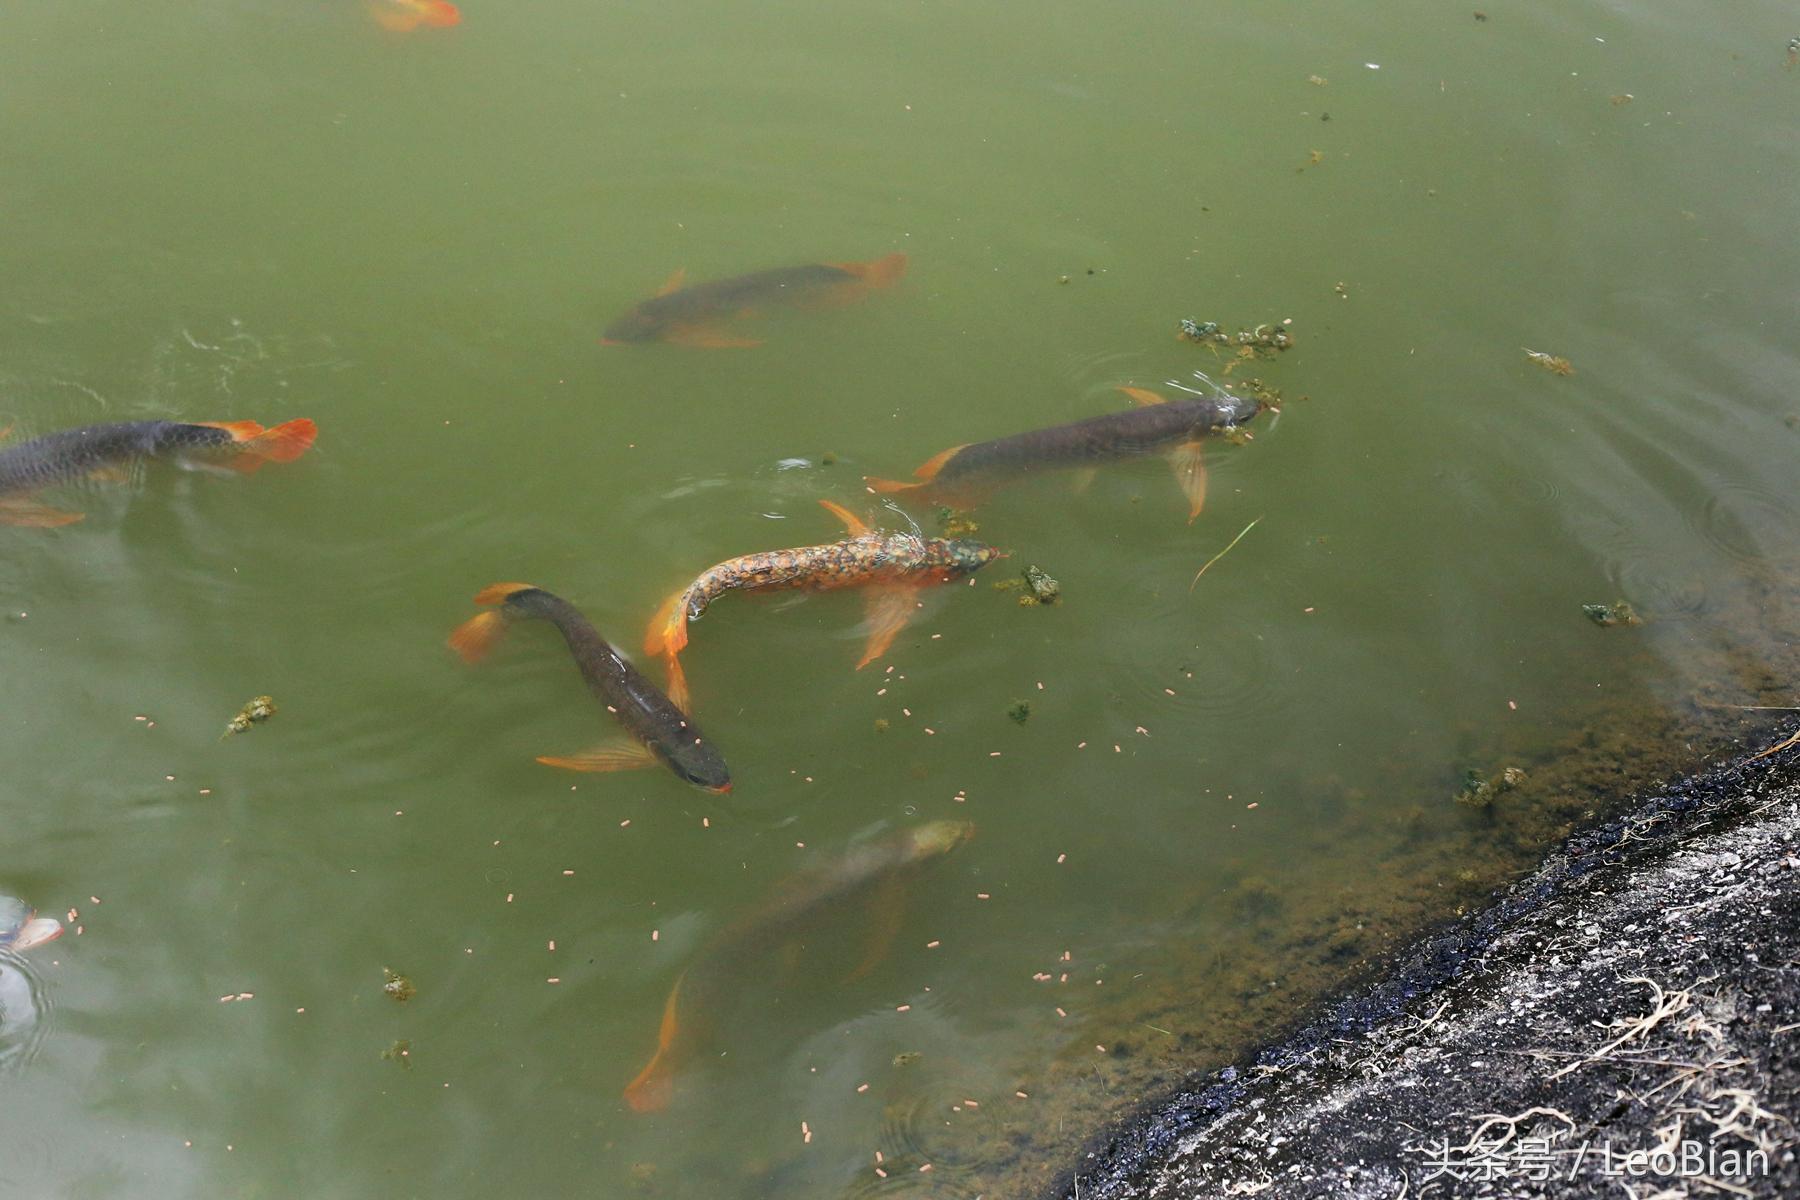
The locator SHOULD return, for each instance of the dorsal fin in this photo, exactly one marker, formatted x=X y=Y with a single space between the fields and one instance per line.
x=1143 y=397
x=855 y=524
x=673 y=282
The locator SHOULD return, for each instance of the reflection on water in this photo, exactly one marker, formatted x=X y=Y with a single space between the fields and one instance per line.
x=1216 y=796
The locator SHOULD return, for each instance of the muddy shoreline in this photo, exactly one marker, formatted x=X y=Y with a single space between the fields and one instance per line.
x=1687 y=906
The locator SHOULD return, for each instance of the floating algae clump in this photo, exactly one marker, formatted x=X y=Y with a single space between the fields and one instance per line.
x=1044 y=590
x=1020 y=711
x=253 y=713
x=400 y=1052
x=398 y=987
x=1608 y=615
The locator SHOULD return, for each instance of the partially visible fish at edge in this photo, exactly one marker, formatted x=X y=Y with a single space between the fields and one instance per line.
x=692 y=314
x=107 y=451
x=21 y=928
x=880 y=867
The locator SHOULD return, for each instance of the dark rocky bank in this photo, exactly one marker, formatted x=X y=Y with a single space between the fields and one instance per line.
x=1622 y=1022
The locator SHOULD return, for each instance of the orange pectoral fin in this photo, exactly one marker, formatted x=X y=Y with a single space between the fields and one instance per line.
x=678 y=685
x=673 y=282
x=890 y=608
x=705 y=337
x=667 y=633
x=655 y=1085
x=887 y=912
x=1190 y=473
x=886 y=486
x=606 y=758
x=110 y=474
x=36 y=516
x=477 y=635
x=1143 y=397
x=852 y=522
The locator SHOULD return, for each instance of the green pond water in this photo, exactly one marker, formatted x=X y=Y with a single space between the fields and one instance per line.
x=257 y=210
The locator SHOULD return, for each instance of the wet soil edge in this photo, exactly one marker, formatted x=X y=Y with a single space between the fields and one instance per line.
x=1132 y=1158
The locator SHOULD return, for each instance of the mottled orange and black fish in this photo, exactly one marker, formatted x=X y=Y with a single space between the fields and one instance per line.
x=664 y=732
x=962 y=474
x=717 y=971
x=106 y=451
x=404 y=16
x=692 y=315
x=892 y=565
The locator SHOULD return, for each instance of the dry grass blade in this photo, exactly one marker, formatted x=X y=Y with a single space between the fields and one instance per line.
x=1221 y=554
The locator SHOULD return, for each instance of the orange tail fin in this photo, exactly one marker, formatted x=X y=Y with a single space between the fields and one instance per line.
x=285 y=442
x=667 y=634
x=496 y=593
x=442 y=14
x=654 y=1085
x=877 y=273
x=477 y=635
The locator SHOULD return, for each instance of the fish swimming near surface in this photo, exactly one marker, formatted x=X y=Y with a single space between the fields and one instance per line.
x=893 y=566
x=107 y=451
x=692 y=315
x=1177 y=428
x=663 y=731
x=21 y=928
x=877 y=871
x=404 y=16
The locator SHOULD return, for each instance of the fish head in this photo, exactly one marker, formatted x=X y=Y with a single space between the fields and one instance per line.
x=1229 y=411
x=941 y=837
x=965 y=556
x=697 y=762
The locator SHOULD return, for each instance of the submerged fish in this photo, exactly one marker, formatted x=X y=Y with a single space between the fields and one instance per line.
x=104 y=451
x=881 y=867
x=691 y=316
x=21 y=928
x=1157 y=426
x=404 y=16
x=892 y=565
x=663 y=731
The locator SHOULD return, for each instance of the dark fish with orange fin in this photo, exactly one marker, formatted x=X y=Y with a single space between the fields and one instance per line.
x=404 y=16
x=1176 y=428
x=663 y=731
x=878 y=871
x=105 y=451
x=694 y=315
x=893 y=565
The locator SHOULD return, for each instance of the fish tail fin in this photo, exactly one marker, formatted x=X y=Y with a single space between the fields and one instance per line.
x=654 y=1085
x=667 y=634
x=442 y=14
x=284 y=442
x=879 y=272
x=257 y=445
x=477 y=635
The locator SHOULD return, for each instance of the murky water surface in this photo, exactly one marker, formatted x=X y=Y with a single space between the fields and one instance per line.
x=260 y=210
